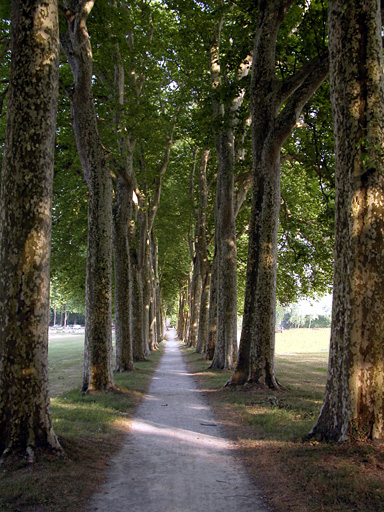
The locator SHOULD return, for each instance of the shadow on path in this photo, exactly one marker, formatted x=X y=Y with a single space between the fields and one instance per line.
x=176 y=457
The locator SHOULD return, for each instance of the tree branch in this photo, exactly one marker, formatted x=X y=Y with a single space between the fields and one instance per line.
x=288 y=117
x=285 y=89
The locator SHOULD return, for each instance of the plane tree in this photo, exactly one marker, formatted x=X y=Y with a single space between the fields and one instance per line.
x=277 y=100
x=354 y=401
x=25 y=230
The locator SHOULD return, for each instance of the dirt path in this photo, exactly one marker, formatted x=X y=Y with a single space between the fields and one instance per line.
x=176 y=457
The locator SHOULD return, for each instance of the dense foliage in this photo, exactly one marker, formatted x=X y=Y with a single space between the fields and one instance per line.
x=164 y=47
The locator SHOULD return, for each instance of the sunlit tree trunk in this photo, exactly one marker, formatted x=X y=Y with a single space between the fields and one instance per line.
x=354 y=401
x=25 y=229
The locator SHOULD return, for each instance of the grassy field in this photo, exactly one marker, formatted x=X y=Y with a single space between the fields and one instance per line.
x=303 y=341
x=66 y=354
x=270 y=427
x=90 y=429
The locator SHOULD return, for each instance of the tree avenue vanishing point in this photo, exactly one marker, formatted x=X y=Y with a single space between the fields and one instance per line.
x=198 y=144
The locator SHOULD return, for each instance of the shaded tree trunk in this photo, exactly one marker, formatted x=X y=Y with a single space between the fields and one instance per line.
x=272 y=123
x=97 y=373
x=137 y=308
x=194 y=305
x=202 y=337
x=212 y=317
x=354 y=400
x=122 y=214
x=25 y=229
x=225 y=232
x=183 y=307
x=201 y=248
x=123 y=327
x=225 y=226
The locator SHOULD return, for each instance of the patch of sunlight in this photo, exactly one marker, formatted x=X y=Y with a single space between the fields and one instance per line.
x=189 y=436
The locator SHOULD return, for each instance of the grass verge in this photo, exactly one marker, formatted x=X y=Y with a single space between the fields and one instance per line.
x=269 y=427
x=90 y=429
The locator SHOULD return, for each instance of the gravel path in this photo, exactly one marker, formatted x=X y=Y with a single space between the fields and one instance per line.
x=176 y=457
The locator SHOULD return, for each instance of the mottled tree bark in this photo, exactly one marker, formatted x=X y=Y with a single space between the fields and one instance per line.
x=157 y=293
x=194 y=305
x=275 y=108
x=123 y=333
x=122 y=214
x=148 y=300
x=202 y=251
x=212 y=317
x=25 y=229
x=225 y=232
x=137 y=307
x=154 y=317
x=186 y=312
x=97 y=373
x=354 y=400
x=225 y=224
x=147 y=294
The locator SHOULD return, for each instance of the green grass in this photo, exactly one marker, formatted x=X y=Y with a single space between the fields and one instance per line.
x=65 y=356
x=90 y=428
x=271 y=427
x=303 y=341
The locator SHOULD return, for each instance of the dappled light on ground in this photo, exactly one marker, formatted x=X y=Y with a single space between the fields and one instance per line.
x=176 y=457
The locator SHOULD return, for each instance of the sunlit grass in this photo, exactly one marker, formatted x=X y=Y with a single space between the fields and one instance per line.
x=271 y=429
x=307 y=341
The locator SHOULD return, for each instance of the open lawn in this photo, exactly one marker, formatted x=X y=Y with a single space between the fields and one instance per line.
x=90 y=429
x=303 y=341
x=66 y=354
x=270 y=427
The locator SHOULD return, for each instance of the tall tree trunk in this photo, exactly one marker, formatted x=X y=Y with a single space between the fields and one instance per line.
x=151 y=300
x=212 y=317
x=155 y=302
x=147 y=293
x=25 y=229
x=224 y=115
x=122 y=214
x=194 y=308
x=272 y=123
x=186 y=311
x=201 y=249
x=354 y=400
x=97 y=373
x=157 y=292
x=123 y=331
x=183 y=307
x=203 y=332
x=137 y=308
x=226 y=337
